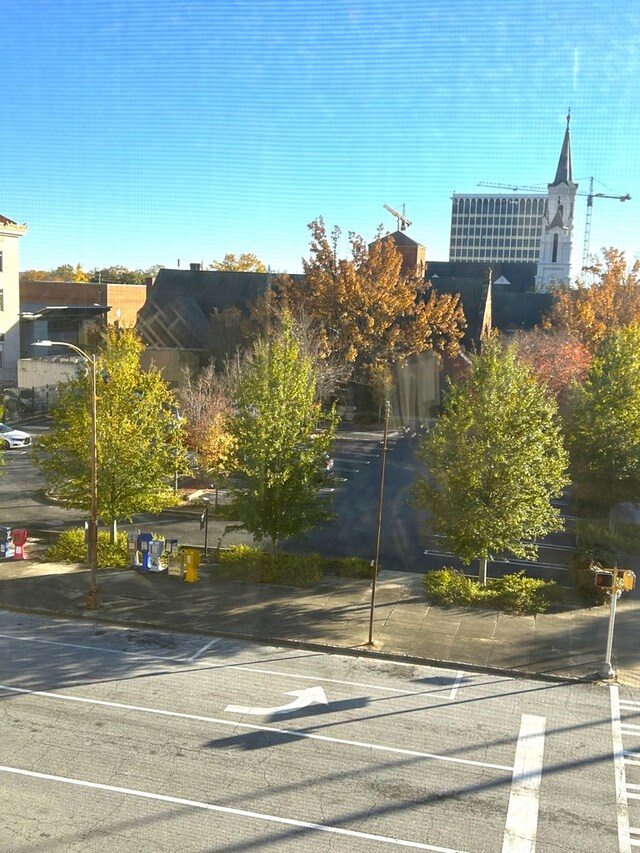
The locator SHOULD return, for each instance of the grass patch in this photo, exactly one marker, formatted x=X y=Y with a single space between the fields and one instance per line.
x=514 y=593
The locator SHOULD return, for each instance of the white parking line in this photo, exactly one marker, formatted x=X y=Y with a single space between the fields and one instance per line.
x=253 y=727
x=181 y=801
x=396 y=691
x=203 y=650
x=456 y=684
x=622 y=809
x=522 y=815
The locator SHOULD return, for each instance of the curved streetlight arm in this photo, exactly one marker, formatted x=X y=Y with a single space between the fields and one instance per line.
x=93 y=596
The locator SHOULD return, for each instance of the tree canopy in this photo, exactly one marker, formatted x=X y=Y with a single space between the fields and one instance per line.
x=495 y=459
x=557 y=360
x=139 y=441
x=603 y=426
x=368 y=312
x=282 y=435
x=590 y=311
x=245 y=262
x=114 y=275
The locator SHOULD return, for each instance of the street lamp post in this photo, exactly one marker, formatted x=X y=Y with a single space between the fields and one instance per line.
x=93 y=596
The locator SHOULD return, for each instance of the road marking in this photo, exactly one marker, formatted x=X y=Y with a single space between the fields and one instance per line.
x=456 y=684
x=91 y=648
x=254 y=727
x=522 y=815
x=622 y=809
x=398 y=691
x=303 y=698
x=181 y=801
x=203 y=650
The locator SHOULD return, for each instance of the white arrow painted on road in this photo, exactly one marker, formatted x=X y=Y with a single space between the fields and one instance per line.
x=303 y=698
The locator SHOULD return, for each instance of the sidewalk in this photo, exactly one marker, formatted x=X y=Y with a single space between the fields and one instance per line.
x=335 y=616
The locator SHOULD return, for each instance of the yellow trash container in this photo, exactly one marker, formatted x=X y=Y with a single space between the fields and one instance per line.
x=191 y=559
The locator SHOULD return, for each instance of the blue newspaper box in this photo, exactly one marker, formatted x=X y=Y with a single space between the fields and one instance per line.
x=143 y=548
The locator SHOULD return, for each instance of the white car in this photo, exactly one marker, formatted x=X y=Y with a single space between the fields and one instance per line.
x=13 y=439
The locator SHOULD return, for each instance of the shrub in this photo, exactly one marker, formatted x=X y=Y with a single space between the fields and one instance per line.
x=582 y=571
x=514 y=593
x=450 y=586
x=251 y=565
x=71 y=547
x=348 y=567
x=518 y=593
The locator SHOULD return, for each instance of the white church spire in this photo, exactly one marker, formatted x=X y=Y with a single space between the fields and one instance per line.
x=554 y=261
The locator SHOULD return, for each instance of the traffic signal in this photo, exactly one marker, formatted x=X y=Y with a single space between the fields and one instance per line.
x=628 y=580
x=604 y=580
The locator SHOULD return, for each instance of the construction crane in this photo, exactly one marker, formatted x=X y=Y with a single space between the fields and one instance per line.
x=403 y=222
x=587 y=223
x=590 y=195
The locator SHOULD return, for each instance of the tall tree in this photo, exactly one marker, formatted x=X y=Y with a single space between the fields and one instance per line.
x=603 y=426
x=590 y=311
x=557 y=360
x=139 y=442
x=369 y=313
x=207 y=410
x=245 y=262
x=282 y=435
x=495 y=459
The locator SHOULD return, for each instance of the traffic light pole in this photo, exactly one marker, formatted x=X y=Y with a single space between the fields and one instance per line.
x=606 y=670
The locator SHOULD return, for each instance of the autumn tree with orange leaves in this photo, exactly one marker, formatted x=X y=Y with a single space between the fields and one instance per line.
x=590 y=311
x=557 y=360
x=368 y=313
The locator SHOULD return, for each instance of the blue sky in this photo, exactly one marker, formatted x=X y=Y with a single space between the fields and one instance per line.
x=138 y=132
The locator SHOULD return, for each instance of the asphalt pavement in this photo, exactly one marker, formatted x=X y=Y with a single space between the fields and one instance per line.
x=337 y=615
x=567 y=643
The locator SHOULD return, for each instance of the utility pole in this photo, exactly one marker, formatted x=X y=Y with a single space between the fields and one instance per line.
x=376 y=560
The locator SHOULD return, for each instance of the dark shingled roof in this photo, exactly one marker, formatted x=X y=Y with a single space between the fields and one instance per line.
x=180 y=303
x=514 y=306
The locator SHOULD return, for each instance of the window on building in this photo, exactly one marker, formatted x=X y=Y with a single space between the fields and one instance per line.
x=554 y=254
x=1 y=297
x=0 y=261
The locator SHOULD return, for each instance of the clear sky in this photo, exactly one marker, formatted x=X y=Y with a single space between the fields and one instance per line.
x=140 y=132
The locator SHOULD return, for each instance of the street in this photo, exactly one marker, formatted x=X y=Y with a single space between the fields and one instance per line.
x=404 y=546
x=122 y=739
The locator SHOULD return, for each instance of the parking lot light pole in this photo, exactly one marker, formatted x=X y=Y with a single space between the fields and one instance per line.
x=93 y=596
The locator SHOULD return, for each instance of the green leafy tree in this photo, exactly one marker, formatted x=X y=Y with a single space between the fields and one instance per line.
x=495 y=459
x=282 y=436
x=603 y=425
x=120 y=275
x=139 y=439
x=246 y=262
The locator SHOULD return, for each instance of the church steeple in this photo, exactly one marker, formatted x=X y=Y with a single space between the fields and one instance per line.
x=554 y=260
x=563 y=172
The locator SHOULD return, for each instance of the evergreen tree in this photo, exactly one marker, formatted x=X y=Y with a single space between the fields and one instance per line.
x=495 y=459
